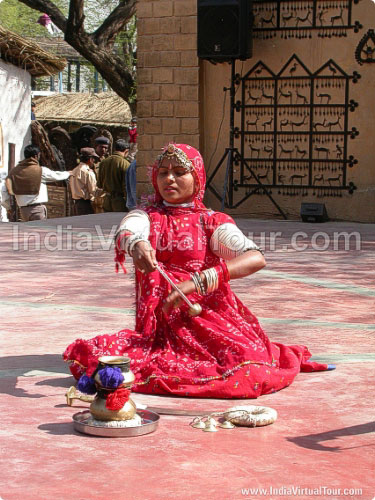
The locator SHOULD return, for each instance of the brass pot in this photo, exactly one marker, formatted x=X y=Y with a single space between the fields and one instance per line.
x=122 y=362
x=99 y=410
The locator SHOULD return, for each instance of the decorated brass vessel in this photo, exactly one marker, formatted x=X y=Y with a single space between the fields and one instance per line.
x=98 y=407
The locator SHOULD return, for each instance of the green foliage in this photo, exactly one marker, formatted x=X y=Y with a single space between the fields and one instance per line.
x=17 y=17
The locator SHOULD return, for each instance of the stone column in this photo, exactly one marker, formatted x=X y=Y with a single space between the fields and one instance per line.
x=168 y=80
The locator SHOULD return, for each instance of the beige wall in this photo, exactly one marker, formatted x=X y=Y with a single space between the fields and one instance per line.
x=181 y=98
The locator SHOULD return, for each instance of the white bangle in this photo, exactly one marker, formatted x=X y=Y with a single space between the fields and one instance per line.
x=212 y=279
x=133 y=242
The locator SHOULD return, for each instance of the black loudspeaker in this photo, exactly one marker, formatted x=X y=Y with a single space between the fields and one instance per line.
x=313 y=212
x=225 y=29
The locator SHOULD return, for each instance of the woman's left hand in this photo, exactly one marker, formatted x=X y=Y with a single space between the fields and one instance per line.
x=174 y=299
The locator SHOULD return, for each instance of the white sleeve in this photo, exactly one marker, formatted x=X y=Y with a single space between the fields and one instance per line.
x=137 y=223
x=49 y=175
x=228 y=241
x=4 y=196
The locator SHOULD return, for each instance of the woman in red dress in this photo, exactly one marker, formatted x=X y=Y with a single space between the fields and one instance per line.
x=221 y=353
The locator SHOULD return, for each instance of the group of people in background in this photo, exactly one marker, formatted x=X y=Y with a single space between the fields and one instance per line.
x=107 y=180
x=100 y=179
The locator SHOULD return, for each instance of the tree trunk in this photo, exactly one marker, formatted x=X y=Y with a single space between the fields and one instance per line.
x=111 y=67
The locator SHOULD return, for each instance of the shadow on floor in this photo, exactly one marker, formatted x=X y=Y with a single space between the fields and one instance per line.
x=59 y=429
x=312 y=441
x=13 y=367
x=48 y=362
x=65 y=382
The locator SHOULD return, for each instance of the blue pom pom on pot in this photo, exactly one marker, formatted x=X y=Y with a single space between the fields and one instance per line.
x=111 y=377
x=86 y=385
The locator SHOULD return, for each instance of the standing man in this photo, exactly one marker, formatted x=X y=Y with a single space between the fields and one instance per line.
x=102 y=147
x=112 y=178
x=83 y=183
x=27 y=181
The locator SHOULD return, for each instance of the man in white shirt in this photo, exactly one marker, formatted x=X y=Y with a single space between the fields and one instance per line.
x=27 y=181
x=4 y=205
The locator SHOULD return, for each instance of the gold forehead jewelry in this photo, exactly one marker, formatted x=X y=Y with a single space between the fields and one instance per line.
x=173 y=152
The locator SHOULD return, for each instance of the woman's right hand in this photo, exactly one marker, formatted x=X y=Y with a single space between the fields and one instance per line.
x=144 y=257
x=174 y=299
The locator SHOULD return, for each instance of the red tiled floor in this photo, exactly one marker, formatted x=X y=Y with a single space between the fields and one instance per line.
x=324 y=435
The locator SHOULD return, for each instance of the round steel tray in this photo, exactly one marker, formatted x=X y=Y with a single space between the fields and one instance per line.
x=150 y=422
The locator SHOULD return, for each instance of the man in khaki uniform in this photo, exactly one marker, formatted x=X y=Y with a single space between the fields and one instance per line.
x=112 y=178
x=83 y=183
x=102 y=150
x=102 y=145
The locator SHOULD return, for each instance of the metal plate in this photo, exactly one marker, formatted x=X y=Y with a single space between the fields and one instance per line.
x=160 y=410
x=150 y=422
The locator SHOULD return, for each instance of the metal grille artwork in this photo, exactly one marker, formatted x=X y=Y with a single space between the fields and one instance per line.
x=298 y=18
x=294 y=130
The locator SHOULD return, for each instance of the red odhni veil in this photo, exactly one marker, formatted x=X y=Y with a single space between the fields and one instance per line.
x=223 y=352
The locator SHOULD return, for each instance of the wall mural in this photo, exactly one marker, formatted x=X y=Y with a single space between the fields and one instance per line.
x=365 y=51
x=294 y=133
x=298 y=19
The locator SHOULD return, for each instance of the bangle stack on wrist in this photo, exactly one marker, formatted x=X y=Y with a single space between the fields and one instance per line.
x=198 y=282
x=214 y=277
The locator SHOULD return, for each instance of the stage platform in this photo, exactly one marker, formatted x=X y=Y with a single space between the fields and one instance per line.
x=58 y=283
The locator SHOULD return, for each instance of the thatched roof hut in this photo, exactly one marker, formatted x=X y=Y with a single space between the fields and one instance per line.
x=28 y=55
x=58 y=46
x=105 y=109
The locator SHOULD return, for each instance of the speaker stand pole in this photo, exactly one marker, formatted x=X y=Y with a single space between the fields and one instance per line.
x=229 y=154
x=229 y=151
